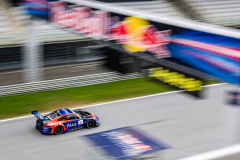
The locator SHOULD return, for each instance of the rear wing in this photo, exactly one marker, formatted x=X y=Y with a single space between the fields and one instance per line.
x=37 y=115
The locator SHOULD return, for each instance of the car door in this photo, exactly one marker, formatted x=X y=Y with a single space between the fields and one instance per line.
x=71 y=122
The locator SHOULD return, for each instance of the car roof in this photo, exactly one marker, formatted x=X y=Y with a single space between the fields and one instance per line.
x=63 y=111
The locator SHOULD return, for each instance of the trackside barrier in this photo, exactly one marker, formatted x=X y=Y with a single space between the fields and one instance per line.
x=65 y=83
x=211 y=49
x=164 y=19
x=230 y=153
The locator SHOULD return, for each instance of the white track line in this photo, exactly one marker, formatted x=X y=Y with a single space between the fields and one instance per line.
x=152 y=95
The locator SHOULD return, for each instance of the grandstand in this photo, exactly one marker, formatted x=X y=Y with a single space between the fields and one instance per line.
x=13 y=19
x=159 y=7
x=63 y=47
x=219 y=12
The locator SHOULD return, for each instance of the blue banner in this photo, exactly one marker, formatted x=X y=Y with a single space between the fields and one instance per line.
x=215 y=55
x=124 y=143
x=38 y=8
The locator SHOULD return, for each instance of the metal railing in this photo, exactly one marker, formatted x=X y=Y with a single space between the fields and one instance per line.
x=65 y=83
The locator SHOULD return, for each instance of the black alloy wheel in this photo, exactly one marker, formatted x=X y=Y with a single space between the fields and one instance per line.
x=90 y=124
x=38 y=128
x=58 y=130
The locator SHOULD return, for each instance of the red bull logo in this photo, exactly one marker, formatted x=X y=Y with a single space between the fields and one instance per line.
x=133 y=33
x=130 y=145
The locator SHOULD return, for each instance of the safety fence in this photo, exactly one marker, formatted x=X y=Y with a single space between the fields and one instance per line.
x=65 y=83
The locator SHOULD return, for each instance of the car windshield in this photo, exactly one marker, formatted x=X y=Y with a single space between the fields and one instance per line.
x=52 y=115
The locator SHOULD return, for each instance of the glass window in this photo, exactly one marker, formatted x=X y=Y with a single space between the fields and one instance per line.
x=52 y=115
x=71 y=117
x=89 y=54
x=62 y=119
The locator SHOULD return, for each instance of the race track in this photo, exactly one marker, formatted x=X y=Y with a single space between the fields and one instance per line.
x=189 y=126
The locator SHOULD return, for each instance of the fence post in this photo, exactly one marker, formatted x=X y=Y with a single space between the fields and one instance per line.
x=32 y=55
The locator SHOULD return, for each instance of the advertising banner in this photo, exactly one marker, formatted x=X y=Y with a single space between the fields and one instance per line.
x=177 y=80
x=213 y=54
x=125 y=143
x=233 y=98
x=37 y=8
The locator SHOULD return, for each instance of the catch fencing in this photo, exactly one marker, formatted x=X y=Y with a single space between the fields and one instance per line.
x=65 y=83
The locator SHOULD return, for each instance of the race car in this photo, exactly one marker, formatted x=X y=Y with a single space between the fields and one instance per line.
x=65 y=120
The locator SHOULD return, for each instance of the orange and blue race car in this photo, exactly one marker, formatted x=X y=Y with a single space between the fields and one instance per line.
x=65 y=120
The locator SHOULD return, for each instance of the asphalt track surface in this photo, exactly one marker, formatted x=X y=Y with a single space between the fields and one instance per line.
x=189 y=126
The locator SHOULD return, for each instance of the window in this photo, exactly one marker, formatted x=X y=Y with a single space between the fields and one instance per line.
x=52 y=115
x=78 y=113
x=86 y=114
x=71 y=117
x=89 y=54
x=62 y=119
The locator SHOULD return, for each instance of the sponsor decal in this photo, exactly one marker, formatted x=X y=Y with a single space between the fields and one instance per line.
x=175 y=79
x=72 y=125
x=54 y=123
x=80 y=122
x=133 y=33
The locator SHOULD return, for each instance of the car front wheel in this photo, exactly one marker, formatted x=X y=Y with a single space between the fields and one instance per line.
x=90 y=124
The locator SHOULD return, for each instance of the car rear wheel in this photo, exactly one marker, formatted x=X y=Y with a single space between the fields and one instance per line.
x=90 y=124
x=38 y=128
x=58 y=130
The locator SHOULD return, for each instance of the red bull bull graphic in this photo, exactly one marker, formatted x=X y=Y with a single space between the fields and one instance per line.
x=134 y=34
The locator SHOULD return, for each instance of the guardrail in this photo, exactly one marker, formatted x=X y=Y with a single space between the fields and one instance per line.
x=65 y=83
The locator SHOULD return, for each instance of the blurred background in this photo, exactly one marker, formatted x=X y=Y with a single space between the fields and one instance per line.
x=187 y=46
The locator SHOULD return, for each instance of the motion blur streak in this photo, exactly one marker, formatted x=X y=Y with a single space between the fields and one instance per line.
x=160 y=115
x=212 y=85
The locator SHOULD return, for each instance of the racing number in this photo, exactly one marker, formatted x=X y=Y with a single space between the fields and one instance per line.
x=80 y=122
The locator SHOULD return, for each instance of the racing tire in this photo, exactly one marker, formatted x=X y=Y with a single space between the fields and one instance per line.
x=58 y=130
x=38 y=128
x=90 y=124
